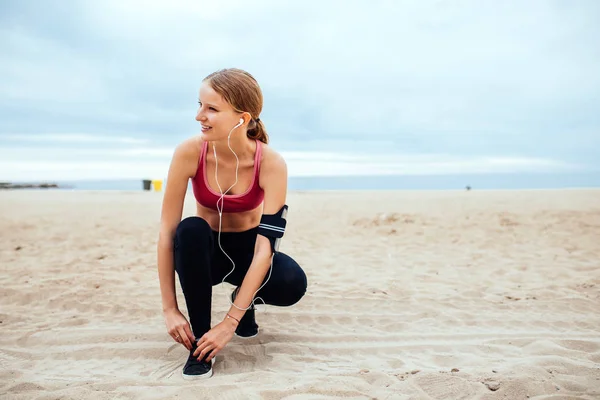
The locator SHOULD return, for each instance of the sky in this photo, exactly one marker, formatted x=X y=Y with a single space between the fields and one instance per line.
x=107 y=89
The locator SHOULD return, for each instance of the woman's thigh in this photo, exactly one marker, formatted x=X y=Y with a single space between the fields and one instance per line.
x=286 y=284
x=232 y=257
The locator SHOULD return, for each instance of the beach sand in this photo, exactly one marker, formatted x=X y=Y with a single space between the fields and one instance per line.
x=412 y=295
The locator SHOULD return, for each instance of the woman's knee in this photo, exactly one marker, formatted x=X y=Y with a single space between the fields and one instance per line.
x=295 y=283
x=193 y=231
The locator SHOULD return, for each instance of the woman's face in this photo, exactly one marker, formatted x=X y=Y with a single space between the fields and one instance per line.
x=215 y=115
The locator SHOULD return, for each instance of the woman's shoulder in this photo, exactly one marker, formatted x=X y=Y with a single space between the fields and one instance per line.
x=187 y=153
x=271 y=158
x=273 y=169
x=189 y=147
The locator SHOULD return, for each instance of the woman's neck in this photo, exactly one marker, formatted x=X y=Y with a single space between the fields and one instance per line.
x=243 y=147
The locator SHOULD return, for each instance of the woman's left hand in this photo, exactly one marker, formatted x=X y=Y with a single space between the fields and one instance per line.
x=214 y=340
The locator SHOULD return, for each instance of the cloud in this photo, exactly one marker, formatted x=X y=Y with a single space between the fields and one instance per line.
x=70 y=138
x=141 y=162
x=515 y=80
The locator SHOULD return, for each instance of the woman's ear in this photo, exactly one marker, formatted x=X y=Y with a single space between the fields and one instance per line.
x=247 y=118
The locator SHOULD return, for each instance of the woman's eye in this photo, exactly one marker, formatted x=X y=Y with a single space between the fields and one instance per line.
x=210 y=108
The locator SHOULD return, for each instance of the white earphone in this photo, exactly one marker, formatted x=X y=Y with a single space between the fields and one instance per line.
x=220 y=211
x=228 y=137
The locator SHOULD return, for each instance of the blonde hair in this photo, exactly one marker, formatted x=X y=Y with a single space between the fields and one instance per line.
x=242 y=91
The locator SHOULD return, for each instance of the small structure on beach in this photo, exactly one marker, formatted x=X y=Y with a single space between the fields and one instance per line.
x=149 y=184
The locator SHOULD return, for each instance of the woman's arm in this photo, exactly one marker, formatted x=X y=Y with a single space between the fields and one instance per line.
x=274 y=183
x=180 y=170
x=171 y=212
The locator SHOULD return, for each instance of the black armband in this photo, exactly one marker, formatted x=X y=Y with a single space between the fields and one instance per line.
x=272 y=226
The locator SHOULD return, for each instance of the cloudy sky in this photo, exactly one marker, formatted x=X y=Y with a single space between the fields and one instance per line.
x=106 y=89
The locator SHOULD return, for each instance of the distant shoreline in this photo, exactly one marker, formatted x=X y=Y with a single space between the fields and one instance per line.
x=43 y=185
x=474 y=182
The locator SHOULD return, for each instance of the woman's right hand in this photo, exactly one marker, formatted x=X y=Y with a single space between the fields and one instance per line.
x=179 y=328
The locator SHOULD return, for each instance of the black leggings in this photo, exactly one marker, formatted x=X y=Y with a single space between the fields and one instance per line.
x=201 y=264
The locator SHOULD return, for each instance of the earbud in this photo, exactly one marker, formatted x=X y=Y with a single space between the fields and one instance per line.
x=241 y=121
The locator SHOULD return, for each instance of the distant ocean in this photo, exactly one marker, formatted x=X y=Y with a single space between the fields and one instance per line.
x=396 y=182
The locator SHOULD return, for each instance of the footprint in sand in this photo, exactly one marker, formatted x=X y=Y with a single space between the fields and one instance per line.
x=445 y=387
x=166 y=370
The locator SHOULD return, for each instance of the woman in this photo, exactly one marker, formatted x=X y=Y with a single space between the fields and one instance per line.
x=238 y=181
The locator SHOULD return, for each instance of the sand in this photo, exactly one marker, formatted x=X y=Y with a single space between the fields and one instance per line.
x=412 y=295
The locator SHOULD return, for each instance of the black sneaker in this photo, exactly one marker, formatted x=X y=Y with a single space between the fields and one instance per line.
x=247 y=327
x=194 y=369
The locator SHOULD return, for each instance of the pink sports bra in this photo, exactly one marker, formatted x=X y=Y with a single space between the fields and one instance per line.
x=231 y=203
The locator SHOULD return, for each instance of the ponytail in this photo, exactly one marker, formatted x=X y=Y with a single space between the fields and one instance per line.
x=258 y=131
